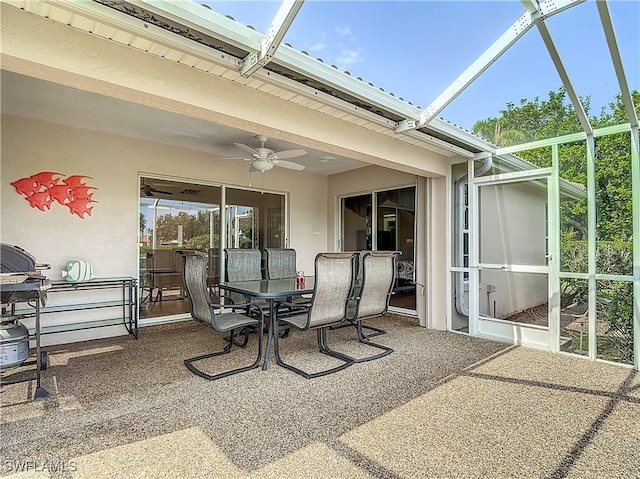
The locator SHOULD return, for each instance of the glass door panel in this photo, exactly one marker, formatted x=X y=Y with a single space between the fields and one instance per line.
x=254 y=219
x=356 y=223
x=174 y=215
x=395 y=231
x=392 y=217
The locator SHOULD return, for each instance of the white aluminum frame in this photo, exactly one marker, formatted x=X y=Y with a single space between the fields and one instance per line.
x=529 y=335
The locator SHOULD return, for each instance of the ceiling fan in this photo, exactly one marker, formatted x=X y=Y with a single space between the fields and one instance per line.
x=149 y=190
x=263 y=159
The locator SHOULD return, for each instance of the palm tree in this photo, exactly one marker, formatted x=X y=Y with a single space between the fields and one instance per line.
x=493 y=130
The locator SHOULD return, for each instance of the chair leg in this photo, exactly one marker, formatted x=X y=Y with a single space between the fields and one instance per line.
x=245 y=332
x=227 y=349
x=285 y=333
x=280 y=362
x=365 y=340
x=376 y=331
x=325 y=349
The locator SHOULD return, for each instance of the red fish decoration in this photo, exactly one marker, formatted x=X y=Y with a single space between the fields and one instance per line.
x=25 y=186
x=82 y=192
x=75 y=180
x=61 y=193
x=80 y=207
x=43 y=188
x=40 y=200
x=46 y=178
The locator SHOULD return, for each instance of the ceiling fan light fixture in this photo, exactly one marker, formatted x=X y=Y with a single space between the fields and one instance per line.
x=261 y=165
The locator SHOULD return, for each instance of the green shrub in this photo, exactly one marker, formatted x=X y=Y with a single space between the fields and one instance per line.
x=615 y=298
x=200 y=243
x=612 y=257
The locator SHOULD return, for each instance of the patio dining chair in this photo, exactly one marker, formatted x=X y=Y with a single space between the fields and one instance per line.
x=202 y=308
x=357 y=289
x=376 y=331
x=372 y=298
x=280 y=263
x=244 y=265
x=334 y=279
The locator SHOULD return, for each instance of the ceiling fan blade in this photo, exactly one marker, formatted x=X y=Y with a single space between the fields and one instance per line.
x=150 y=191
x=248 y=149
x=281 y=155
x=288 y=164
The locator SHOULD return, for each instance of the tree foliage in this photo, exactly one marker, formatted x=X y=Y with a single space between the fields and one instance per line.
x=143 y=224
x=167 y=226
x=537 y=119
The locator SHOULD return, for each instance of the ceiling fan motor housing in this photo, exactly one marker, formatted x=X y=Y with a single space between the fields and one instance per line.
x=264 y=153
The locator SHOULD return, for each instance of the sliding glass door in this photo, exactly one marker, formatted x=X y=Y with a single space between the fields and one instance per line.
x=391 y=215
x=254 y=219
x=183 y=215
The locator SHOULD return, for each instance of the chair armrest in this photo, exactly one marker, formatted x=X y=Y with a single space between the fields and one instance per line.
x=293 y=308
x=244 y=306
x=229 y=302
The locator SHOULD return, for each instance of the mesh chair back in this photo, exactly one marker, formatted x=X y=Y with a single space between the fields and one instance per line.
x=242 y=265
x=281 y=262
x=334 y=278
x=379 y=269
x=361 y=254
x=194 y=279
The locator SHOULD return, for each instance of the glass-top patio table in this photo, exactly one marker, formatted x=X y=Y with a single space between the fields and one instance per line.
x=270 y=290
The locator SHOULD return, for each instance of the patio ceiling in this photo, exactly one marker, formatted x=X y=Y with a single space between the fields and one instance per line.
x=207 y=40
x=39 y=99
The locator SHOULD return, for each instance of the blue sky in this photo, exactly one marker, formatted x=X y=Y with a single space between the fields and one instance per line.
x=415 y=49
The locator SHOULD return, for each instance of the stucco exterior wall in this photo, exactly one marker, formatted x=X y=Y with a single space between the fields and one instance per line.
x=108 y=238
x=44 y=49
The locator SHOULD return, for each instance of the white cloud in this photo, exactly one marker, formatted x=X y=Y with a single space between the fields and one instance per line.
x=317 y=47
x=344 y=30
x=348 y=57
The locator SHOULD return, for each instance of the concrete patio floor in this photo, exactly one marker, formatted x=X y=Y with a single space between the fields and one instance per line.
x=443 y=405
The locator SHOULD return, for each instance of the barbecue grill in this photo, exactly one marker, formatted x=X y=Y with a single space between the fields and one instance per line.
x=20 y=281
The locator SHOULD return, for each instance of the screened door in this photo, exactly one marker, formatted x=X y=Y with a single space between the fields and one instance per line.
x=513 y=261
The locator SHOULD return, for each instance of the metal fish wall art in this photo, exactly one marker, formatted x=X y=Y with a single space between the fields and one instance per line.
x=43 y=189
